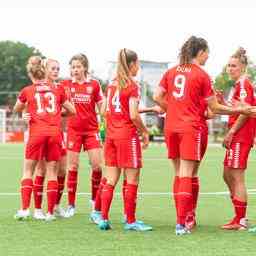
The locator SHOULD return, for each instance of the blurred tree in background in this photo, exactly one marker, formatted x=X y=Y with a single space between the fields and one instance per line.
x=13 y=74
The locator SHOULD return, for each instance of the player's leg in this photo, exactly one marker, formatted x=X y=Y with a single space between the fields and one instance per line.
x=38 y=190
x=26 y=189
x=74 y=145
x=112 y=174
x=61 y=172
x=236 y=164
x=93 y=147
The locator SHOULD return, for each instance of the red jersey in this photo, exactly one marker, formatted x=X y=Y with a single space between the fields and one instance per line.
x=118 y=121
x=44 y=102
x=85 y=97
x=243 y=91
x=187 y=88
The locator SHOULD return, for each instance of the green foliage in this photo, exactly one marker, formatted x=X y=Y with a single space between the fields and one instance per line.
x=13 y=59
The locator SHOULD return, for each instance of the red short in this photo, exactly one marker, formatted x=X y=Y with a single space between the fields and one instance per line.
x=187 y=146
x=76 y=141
x=237 y=155
x=123 y=153
x=44 y=147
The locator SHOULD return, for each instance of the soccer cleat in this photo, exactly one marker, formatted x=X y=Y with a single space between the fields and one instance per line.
x=59 y=212
x=104 y=225
x=38 y=214
x=190 y=222
x=236 y=225
x=95 y=217
x=137 y=226
x=70 y=212
x=22 y=214
x=181 y=230
x=50 y=217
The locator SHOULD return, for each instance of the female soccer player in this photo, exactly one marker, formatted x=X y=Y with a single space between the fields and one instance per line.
x=82 y=129
x=187 y=88
x=122 y=146
x=52 y=68
x=43 y=102
x=239 y=140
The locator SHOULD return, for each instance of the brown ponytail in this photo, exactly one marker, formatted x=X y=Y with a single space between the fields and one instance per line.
x=125 y=58
x=241 y=55
x=35 y=67
x=191 y=48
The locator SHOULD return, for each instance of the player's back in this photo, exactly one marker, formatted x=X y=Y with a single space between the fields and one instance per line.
x=44 y=103
x=118 y=122
x=187 y=87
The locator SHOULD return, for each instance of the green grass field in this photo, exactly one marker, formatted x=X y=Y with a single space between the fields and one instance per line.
x=77 y=236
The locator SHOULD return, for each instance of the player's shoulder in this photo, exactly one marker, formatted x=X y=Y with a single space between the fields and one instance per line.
x=65 y=83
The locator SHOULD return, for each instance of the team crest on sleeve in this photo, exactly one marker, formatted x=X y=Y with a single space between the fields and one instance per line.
x=243 y=93
x=89 y=89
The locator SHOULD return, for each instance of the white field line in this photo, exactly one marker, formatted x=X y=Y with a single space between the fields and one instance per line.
x=250 y=192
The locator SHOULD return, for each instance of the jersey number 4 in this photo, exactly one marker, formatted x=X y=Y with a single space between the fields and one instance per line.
x=179 y=83
x=50 y=98
x=115 y=101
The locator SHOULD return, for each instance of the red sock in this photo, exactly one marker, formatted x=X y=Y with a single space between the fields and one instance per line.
x=130 y=202
x=240 y=209
x=195 y=192
x=106 y=199
x=38 y=191
x=175 y=188
x=123 y=193
x=97 y=205
x=95 y=182
x=26 y=191
x=52 y=191
x=61 y=185
x=72 y=186
x=184 y=198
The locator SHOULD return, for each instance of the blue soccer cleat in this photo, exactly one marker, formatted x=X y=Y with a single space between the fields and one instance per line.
x=95 y=217
x=137 y=226
x=181 y=230
x=104 y=225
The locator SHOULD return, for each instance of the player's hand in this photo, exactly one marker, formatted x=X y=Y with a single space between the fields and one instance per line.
x=158 y=110
x=220 y=97
x=26 y=117
x=145 y=140
x=228 y=139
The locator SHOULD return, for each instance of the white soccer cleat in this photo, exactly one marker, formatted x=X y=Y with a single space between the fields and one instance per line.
x=70 y=212
x=22 y=214
x=38 y=214
x=49 y=217
x=59 y=212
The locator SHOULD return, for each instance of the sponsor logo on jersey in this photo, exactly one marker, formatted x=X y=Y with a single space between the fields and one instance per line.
x=72 y=89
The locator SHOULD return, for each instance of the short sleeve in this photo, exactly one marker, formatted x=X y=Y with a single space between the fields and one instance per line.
x=23 y=96
x=164 y=82
x=207 y=87
x=98 y=95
